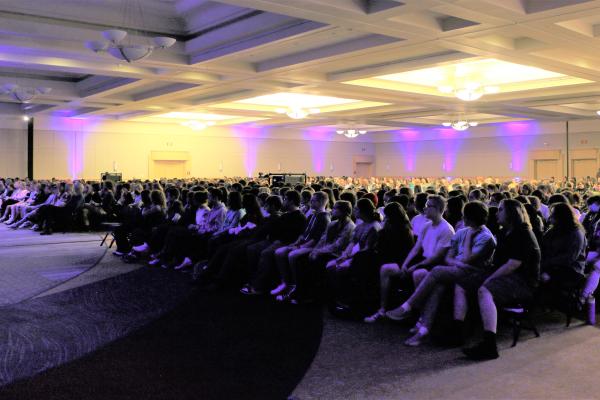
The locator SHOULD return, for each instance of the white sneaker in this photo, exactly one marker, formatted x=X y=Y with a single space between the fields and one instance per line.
x=185 y=264
x=142 y=248
x=154 y=262
x=26 y=224
x=380 y=314
x=34 y=227
x=279 y=289
x=418 y=339
x=10 y=221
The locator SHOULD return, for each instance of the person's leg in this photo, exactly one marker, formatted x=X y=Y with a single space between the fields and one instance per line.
x=438 y=275
x=418 y=275
x=428 y=313
x=460 y=303
x=386 y=272
x=293 y=258
x=265 y=268
x=487 y=307
x=591 y=283
x=281 y=260
x=487 y=349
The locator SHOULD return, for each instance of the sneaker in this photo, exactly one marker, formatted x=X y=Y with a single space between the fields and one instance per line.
x=154 y=262
x=379 y=315
x=118 y=253
x=26 y=224
x=417 y=339
x=185 y=264
x=36 y=228
x=142 y=248
x=9 y=221
x=279 y=289
x=286 y=294
x=398 y=314
x=250 y=291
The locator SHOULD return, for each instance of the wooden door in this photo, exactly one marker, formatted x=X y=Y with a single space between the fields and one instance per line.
x=545 y=169
x=584 y=167
x=363 y=169
x=169 y=169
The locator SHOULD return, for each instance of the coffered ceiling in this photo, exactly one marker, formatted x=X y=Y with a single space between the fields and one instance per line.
x=379 y=63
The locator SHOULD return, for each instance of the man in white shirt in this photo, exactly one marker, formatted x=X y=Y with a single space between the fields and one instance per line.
x=432 y=244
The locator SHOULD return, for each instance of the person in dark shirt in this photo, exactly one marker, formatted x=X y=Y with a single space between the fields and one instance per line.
x=288 y=228
x=517 y=273
x=287 y=256
x=563 y=250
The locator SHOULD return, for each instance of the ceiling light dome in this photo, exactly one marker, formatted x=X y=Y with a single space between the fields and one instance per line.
x=469 y=92
x=297 y=112
x=351 y=133
x=23 y=94
x=460 y=124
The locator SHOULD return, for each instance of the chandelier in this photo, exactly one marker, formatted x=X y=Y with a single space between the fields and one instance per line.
x=197 y=125
x=23 y=94
x=113 y=42
x=297 y=112
x=351 y=133
x=470 y=91
x=460 y=124
x=127 y=52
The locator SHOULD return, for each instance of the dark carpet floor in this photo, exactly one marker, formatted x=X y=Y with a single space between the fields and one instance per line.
x=211 y=346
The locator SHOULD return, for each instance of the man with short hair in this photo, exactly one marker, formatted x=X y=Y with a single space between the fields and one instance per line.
x=471 y=252
x=432 y=244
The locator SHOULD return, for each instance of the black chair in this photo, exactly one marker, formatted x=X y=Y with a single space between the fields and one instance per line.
x=520 y=318
x=109 y=228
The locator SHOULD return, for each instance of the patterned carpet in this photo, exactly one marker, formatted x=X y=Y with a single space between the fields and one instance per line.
x=42 y=333
x=31 y=264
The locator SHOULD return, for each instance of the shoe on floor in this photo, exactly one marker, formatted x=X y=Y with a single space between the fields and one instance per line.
x=417 y=339
x=379 y=315
x=397 y=314
x=154 y=262
x=185 y=264
x=250 y=291
x=279 y=289
x=142 y=248
x=119 y=253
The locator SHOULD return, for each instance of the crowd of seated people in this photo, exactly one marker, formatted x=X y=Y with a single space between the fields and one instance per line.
x=354 y=244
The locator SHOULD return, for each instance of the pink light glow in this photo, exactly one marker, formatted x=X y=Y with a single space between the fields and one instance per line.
x=317 y=138
x=251 y=137
x=73 y=133
x=518 y=136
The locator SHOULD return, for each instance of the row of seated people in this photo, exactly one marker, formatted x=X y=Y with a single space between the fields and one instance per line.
x=296 y=243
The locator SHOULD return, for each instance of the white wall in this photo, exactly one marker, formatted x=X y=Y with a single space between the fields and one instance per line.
x=67 y=148
x=493 y=150
x=13 y=146
x=83 y=148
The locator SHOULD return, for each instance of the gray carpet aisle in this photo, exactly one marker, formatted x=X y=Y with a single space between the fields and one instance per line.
x=31 y=264
x=361 y=361
x=41 y=333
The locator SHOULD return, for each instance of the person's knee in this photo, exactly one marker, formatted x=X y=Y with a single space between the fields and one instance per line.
x=389 y=269
x=483 y=291
x=281 y=252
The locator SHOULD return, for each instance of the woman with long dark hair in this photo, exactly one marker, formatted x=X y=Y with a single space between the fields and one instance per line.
x=516 y=274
